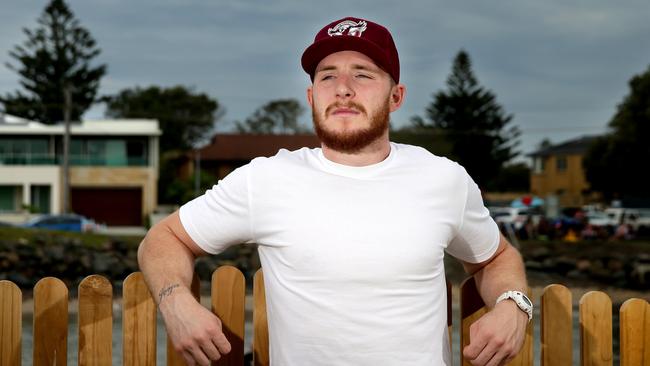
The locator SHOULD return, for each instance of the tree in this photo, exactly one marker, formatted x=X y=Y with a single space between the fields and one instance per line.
x=275 y=117
x=185 y=117
x=473 y=123
x=56 y=55
x=614 y=163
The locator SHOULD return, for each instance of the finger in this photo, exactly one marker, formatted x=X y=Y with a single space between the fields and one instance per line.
x=487 y=355
x=222 y=343
x=211 y=351
x=199 y=357
x=189 y=359
x=477 y=343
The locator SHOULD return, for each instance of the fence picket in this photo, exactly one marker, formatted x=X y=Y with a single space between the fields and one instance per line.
x=472 y=308
x=10 y=323
x=556 y=326
x=596 y=329
x=635 y=333
x=50 y=322
x=138 y=322
x=173 y=357
x=95 y=321
x=228 y=303
x=260 y=325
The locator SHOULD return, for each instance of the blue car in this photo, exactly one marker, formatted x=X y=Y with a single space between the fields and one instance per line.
x=76 y=223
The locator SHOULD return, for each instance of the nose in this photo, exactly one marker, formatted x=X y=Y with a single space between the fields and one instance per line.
x=344 y=89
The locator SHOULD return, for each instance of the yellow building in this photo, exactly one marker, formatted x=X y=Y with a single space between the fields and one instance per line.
x=558 y=172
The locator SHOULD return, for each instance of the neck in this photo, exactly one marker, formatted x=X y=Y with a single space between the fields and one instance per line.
x=374 y=153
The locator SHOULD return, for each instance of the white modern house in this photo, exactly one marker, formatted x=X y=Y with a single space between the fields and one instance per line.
x=113 y=169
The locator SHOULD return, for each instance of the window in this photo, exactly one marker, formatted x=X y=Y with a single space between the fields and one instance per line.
x=18 y=150
x=561 y=163
x=40 y=195
x=538 y=165
x=108 y=152
x=10 y=197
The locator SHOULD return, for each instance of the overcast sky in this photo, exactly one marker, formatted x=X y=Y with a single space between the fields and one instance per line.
x=559 y=66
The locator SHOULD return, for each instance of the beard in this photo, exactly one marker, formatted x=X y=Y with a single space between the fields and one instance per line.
x=355 y=140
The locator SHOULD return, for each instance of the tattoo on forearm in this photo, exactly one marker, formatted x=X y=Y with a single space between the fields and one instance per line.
x=166 y=292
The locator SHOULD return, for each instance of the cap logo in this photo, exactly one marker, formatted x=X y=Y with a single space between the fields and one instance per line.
x=352 y=28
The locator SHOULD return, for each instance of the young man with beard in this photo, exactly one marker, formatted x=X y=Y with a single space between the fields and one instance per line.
x=351 y=236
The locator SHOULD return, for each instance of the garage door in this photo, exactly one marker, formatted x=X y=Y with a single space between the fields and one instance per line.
x=113 y=206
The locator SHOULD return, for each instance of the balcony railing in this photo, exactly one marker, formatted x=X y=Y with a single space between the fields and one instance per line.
x=75 y=160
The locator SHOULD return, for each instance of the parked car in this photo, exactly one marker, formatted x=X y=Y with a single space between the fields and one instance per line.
x=70 y=222
x=515 y=216
x=638 y=219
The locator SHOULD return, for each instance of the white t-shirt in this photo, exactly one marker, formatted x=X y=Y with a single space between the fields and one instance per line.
x=352 y=256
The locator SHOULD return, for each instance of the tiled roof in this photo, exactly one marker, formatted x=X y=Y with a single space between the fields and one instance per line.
x=575 y=146
x=247 y=146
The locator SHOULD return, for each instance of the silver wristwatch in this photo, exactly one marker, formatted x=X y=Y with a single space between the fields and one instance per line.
x=522 y=301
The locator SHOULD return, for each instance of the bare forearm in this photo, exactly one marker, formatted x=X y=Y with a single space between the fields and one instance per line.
x=167 y=264
x=505 y=272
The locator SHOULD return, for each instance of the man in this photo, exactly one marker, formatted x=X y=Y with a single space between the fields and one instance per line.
x=351 y=236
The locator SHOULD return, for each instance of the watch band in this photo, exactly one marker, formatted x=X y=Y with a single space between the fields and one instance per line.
x=522 y=301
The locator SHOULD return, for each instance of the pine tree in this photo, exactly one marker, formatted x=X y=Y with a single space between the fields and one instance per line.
x=474 y=124
x=614 y=163
x=56 y=55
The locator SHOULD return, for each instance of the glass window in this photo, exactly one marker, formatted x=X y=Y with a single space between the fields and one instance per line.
x=9 y=198
x=40 y=198
x=561 y=163
x=116 y=153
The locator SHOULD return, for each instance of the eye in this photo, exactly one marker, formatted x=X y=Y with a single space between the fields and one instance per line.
x=364 y=76
x=326 y=77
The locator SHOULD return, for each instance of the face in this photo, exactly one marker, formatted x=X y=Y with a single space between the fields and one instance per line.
x=351 y=99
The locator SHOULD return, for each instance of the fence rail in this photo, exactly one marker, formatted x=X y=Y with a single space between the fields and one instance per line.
x=228 y=300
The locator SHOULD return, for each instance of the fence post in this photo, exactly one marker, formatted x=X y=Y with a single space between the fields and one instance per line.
x=138 y=322
x=635 y=333
x=10 y=323
x=95 y=321
x=472 y=308
x=50 y=322
x=260 y=326
x=556 y=326
x=596 y=329
x=228 y=303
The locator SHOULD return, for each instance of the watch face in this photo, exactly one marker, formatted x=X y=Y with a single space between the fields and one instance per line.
x=526 y=300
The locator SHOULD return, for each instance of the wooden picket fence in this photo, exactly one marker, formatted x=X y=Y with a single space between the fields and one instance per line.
x=228 y=297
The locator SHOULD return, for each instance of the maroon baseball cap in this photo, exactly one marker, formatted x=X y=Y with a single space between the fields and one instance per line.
x=353 y=34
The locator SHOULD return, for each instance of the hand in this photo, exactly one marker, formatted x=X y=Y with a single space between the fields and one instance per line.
x=195 y=332
x=497 y=336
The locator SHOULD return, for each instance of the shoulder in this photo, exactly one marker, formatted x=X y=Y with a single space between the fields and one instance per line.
x=424 y=159
x=285 y=159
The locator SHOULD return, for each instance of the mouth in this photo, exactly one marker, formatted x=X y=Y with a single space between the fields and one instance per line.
x=345 y=112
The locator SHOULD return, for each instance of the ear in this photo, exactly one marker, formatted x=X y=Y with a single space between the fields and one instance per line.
x=310 y=96
x=397 y=94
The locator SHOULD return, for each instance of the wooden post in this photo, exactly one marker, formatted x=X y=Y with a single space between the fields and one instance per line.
x=557 y=326
x=95 y=321
x=10 y=323
x=50 y=322
x=596 y=329
x=138 y=322
x=635 y=333
x=260 y=326
x=228 y=303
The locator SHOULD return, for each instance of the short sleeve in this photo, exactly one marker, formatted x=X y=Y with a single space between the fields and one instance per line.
x=477 y=235
x=221 y=217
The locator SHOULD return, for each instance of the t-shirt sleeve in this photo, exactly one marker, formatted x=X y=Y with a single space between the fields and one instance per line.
x=221 y=217
x=477 y=236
